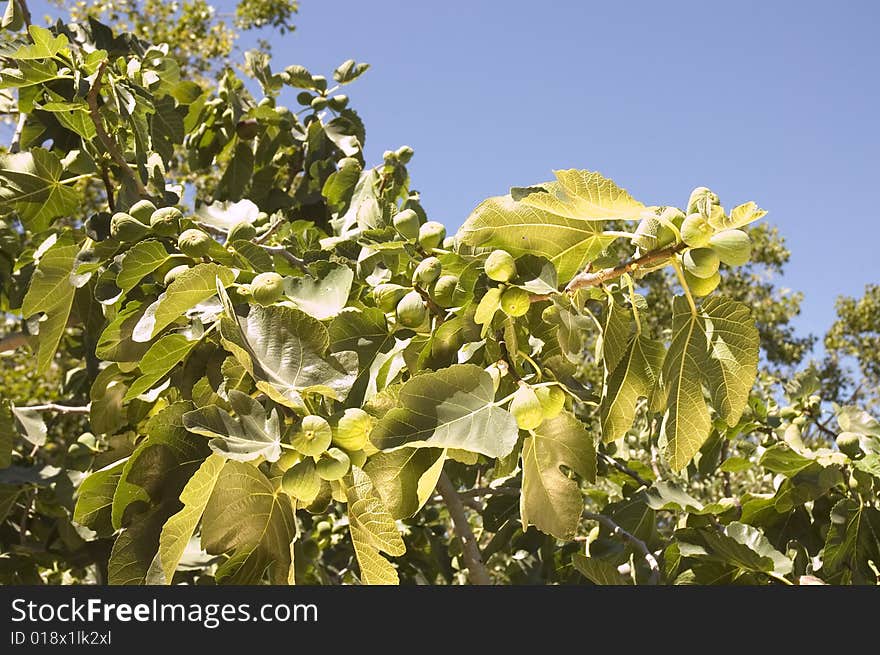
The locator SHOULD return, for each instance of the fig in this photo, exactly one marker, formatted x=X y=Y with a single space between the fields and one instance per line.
x=387 y=296
x=701 y=201
x=500 y=266
x=353 y=429
x=302 y=481
x=861 y=482
x=142 y=210
x=171 y=275
x=404 y=154
x=125 y=227
x=696 y=231
x=241 y=231
x=849 y=444
x=411 y=310
x=733 y=247
x=526 y=408
x=194 y=243
x=700 y=262
x=333 y=464
x=651 y=234
x=247 y=129
x=427 y=272
x=515 y=301
x=314 y=436
x=165 y=221
x=700 y=286
x=444 y=290
x=552 y=400
x=407 y=223
x=266 y=288
x=431 y=235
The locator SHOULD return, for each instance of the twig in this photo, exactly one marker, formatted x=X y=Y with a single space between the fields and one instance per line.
x=15 y=145
x=637 y=543
x=273 y=228
x=587 y=279
x=490 y=491
x=109 y=144
x=213 y=229
x=108 y=186
x=623 y=468
x=284 y=252
x=470 y=552
x=433 y=307
x=25 y=12
x=725 y=475
x=61 y=409
x=13 y=341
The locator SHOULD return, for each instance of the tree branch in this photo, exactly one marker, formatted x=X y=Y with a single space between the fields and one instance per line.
x=15 y=145
x=637 y=543
x=587 y=279
x=623 y=468
x=13 y=341
x=433 y=307
x=61 y=409
x=109 y=144
x=284 y=252
x=477 y=572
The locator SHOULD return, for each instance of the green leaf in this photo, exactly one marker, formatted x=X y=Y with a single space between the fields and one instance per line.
x=742 y=215
x=599 y=571
x=135 y=548
x=179 y=529
x=325 y=296
x=373 y=531
x=365 y=332
x=780 y=458
x=143 y=258
x=95 y=501
x=718 y=347
x=284 y=349
x=13 y=17
x=251 y=519
x=551 y=500
x=44 y=45
x=853 y=539
x=348 y=71
x=405 y=479
x=502 y=222
x=449 y=408
x=238 y=173
x=163 y=355
x=252 y=435
x=51 y=293
x=166 y=126
x=583 y=195
x=742 y=546
x=30 y=424
x=191 y=287
x=8 y=433
x=31 y=184
x=634 y=377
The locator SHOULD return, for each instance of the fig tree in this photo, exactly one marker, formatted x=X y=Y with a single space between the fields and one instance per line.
x=302 y=481
x=171 y=275
x=165 y=221
x=241 y=231
x=387 y=295
x=849 y=444
x=333 y=464
x=444 y=290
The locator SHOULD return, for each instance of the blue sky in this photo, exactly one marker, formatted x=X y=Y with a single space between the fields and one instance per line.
x=775 y=102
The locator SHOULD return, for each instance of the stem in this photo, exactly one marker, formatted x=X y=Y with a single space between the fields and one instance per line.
x=61 y=409
x=108 y=187
x=684 y=285
x=623 y=468
x=284 y=252
x=637 y=543
x=15 y=145
x=477 y=572
x=433 y=307
x=268 y=233
x=109 y=144
x=632 y=299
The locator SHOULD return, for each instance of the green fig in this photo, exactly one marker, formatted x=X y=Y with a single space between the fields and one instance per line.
x=247 y=129
x=427 y=272
x=302 y=481
x=353 y=429
x=526 y=408
x=651 y=235
x=849 y=444
x=411 y=310
x=701 y=201
x=142 y=210
x=267 y=288
x=194 y=243
x=444 y=290
x=500 y=266
x=407 y=223
x=552 y=400
x=387 y=296
x=861 y=482
x=314 y=436
x=700 y=262
x=318 y=103
x=696 y=231
x=165 y=221
x=404 y=154
x=733 y=247
x=515 y=301
x=241 y=231
x=333 y=464
x=171 y=275
x=431 y=235
x=700 y=286
x=127 y=228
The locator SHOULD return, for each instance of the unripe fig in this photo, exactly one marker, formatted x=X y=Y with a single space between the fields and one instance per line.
x=404 y=154
x=387 y=296
x=266 y=288
x=194 y=243
x=431 y=235
x=165 y=221
x=142 y=210
x=733 y=247
x=444 y=290
x=674 y=215
x=242 y=231
x=411 y=310
x=500 y=266
x=302 y=481
x=700 y=262
x=333 y=465
x=696 y=231
x=449 y=243
x=247 y=129
x=552 y=400
x=353 y=429
x=427 y=272
x=701 y=201
x=861 y=482
x=526 y=408
x=515 y=301
x=700 y=286
x=407 y=223
x=304 y=98
x=171 y=275
x=849 y=444
x=651 y=234
x=125 y=227
x=314 y=436
x=318 y=103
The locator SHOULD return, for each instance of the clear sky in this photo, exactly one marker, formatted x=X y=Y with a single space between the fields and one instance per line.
x=775 y=102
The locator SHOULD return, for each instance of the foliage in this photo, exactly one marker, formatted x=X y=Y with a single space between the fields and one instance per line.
x=261 y=362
